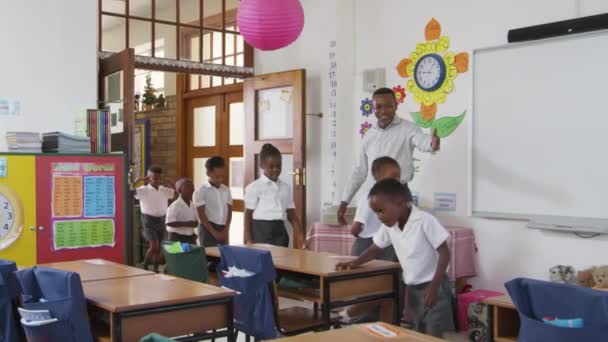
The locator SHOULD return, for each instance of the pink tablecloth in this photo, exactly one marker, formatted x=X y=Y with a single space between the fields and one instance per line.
x=329 y=238
x=338 y=240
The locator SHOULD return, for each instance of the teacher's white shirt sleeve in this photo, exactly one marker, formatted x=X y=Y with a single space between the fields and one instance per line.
x=358 y=175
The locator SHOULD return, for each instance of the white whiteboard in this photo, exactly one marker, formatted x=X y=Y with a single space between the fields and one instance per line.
x=540 y=116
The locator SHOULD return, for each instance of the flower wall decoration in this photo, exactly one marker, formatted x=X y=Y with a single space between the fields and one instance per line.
x=365 y=126
x=399 y=93
x=431 y=70
x=366 y=107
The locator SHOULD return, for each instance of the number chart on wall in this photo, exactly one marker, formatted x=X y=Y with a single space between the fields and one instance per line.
x=83 y=216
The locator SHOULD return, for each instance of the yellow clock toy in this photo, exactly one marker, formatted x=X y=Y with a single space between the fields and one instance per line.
x=11 y=216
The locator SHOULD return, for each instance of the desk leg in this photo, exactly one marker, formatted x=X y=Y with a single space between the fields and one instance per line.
x=230 y=321
x=396 y=306
x=115 y=327
x=326 y=307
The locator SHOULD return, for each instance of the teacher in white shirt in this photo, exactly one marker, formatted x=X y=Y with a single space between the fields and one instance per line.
x=391 y=136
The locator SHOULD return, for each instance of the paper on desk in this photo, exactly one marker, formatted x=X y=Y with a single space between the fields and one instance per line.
x=166 y=277
x=95 y=261
x=381 y=330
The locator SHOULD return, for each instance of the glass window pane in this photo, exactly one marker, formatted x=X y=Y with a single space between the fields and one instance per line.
x=230 y=16
x=189 y=12
x=216 y=50
x=229 y=60
x=164 y=42
x=286 y=168
x=207 y=46
x=205 y=81
x=240 y=60
x=230 y=41
x=114 y=6
x=216 y=81
x=113 y=32
x=237 y=177
x=212 y=12
x=274 y=113
x=237 y=228
x=229 y=80
x=200 y=173
x=140 y=8
x=194 y=82
x=113 y=100
x=237 y=123
x=165 y=10
x=240 y=44
x=204 y=126
x=189 y=44
x=140 y=37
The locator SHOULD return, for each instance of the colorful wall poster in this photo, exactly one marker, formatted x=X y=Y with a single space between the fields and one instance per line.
x=443 y=201
x=83 y=233
x=99 y=196
x=67 y=196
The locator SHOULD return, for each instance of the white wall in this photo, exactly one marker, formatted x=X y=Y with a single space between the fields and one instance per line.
x=387 y=31
x=48 y=63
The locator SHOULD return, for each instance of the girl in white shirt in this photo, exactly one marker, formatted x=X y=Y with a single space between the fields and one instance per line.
x=268 y=202
x=181 y=214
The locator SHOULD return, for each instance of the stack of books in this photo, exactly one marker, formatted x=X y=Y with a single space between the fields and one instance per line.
x=24 y=142
x=57 y=142
x=98 y=128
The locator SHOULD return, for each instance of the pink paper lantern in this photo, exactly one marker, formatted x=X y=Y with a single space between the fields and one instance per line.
x=270 y=24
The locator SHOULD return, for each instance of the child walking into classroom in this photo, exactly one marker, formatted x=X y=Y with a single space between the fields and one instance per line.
x=181 y=215
x=268 y=202
x=214 y=205
x=420 y=244
x=154 y=195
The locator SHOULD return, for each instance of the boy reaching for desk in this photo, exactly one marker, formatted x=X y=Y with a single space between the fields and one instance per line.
x=420 y=244
x=154 y=196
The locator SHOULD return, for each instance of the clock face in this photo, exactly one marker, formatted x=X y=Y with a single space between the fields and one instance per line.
x=10 y=217
x=429 y=72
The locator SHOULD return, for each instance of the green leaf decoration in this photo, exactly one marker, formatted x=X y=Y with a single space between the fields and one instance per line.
x=420 y=121
x=447 y=125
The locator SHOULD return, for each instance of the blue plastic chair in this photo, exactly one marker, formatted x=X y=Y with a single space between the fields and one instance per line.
x=61 y=293
x=537 y=299
x=10 y=290
x=253 y=306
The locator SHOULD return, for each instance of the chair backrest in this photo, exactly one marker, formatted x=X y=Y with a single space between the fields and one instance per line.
x=190 y=265
x=61 y=293
x=9 y=292
x=536 y=299
x=250 y=272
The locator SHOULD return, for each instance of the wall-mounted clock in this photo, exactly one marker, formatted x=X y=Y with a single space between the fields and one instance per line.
x=11 y=216
x=429 y=72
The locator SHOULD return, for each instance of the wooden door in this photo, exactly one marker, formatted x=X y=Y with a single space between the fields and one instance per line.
x=275 y=109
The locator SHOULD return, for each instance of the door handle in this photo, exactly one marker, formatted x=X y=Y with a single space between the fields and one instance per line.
x=296 y=173
x=32 y=228
x=41 y=228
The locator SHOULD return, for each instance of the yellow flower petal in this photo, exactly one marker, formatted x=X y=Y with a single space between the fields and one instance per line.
x=443 y=44
x=432 y=30
x=402 y=67
x=462 y=62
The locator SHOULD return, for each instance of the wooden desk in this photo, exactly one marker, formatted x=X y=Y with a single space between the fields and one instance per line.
x=167 y=305
x=98 y=269
x=373 y=281
x=360 y=334
x=505 y=319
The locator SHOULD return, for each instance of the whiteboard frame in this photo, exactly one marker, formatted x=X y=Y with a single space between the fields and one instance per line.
x=539 y=221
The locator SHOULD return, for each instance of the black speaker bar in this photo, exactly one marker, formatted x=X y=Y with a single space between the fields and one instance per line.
x=559 y=28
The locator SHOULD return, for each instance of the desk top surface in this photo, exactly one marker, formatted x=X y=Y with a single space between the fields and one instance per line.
x=501 y=301
x=149 y=291
x=97 y=269
x=313 y=263
x=361 y=333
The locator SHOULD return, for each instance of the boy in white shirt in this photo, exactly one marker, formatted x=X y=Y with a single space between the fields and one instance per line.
x=181 y=215
x=268 y=201
x=420 y=243
x=154 y=198
x=214 y=205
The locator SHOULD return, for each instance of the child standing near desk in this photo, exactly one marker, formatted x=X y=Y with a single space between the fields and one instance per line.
x=214 y=205
x=420 y=244
x=268 y=201
x=154 y=199
x=181 y=214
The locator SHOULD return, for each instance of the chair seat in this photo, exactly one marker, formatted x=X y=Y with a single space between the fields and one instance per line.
x=295 y=320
